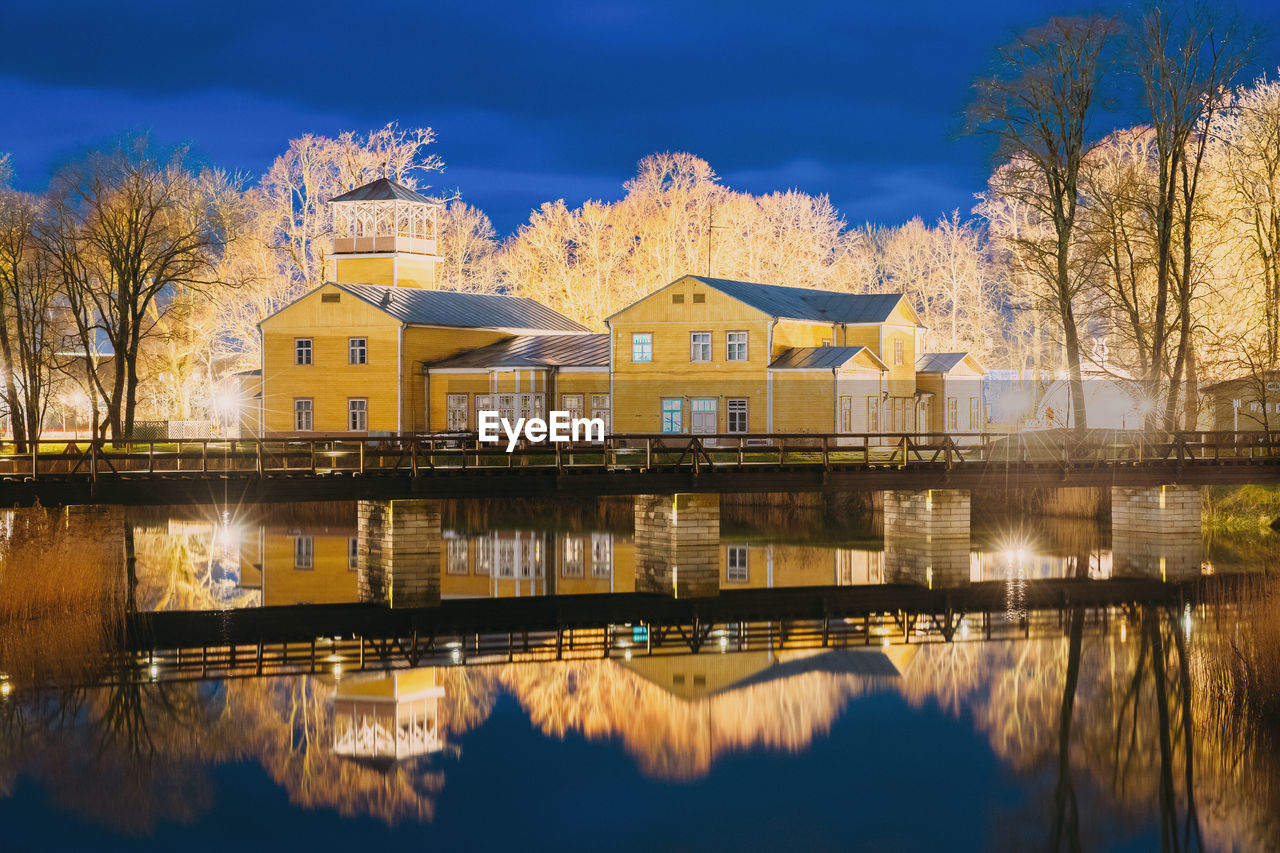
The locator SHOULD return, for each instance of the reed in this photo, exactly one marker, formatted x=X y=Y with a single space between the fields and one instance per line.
x=1241 y=659
x=62 y=599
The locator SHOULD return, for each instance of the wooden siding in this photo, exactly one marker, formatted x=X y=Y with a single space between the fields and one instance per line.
x=402 y=270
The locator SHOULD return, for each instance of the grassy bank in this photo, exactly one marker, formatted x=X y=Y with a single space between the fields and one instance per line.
x=1241 y=509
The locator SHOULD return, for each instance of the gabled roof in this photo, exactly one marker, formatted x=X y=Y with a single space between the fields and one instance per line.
x=802 y=303
x=417 y=307
x=534 y=351
x=383 y=189
x=943 y=362
x=818 y=358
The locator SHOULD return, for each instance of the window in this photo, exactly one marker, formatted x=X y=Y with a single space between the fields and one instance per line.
x=357 y=350
x=353 y=554
x=302 y=350
x=671 y=410
x=484 y=403
x=975 y=413
x=571 y=403
x=331 y=297
x=952 y=415
x=455 y=417
x=358 y=414
x=735 y=346
x=457 y=564
x=736 y=563
x=826 y=342
x=600 y=409
x=601 y=555
x=302 y=415
x=699 y=346
x=572 y=565
x=873 y=413
x=899 y=352
x=304 y=553
x=677 y=299
x=846 y=414
x=484 y=555
x=642 y=346
x=737 y=415
x=531 y=406
x=507 y=407
x=699 y=298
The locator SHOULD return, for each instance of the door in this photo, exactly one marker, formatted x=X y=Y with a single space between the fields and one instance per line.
x=702 y=417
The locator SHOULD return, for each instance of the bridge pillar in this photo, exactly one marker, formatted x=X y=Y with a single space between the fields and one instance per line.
x=926 y=537
x=1156 y=532
x=678 y=544
x=400 y=548
x=99 y=531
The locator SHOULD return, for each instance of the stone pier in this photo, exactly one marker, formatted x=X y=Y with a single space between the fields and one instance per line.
x=400 y=549
x=678 y=544
x=1156 y=532
x=926 y=537
x=98 y=530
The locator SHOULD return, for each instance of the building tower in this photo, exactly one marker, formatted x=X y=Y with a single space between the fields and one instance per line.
x=384 y=233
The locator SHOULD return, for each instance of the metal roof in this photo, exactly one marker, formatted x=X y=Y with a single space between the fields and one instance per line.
x=418 y=307
x=815 y=358
x=534 y=351
x=801 y=303
x=383 y=189
x=939 y=362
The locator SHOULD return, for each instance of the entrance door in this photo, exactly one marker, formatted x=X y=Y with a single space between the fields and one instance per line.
x=702 y=416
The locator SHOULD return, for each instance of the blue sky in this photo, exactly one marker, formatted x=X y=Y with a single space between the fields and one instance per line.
x=536 y=101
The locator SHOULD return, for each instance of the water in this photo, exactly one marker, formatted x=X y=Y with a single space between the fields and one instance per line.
x=1099 y=735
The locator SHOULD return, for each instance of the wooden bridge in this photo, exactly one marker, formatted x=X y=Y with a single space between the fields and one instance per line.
x=454 y=466
x=182 y=646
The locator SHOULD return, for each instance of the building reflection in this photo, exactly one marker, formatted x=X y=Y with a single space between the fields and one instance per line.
x=387 y=717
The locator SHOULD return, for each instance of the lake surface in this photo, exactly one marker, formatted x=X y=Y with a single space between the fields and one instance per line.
x=1104 y=735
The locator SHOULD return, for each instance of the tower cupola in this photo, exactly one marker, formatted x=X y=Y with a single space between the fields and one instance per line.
x=384 y=233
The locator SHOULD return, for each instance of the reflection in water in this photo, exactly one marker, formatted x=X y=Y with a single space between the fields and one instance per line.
x=1106 y=721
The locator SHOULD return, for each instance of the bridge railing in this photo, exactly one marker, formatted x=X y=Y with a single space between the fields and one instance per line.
x=427 y=454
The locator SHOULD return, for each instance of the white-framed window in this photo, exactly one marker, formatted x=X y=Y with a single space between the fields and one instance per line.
x=571 y=403
x=899 y=352
x=531 y=406
x=735 y=346
x=953 y=413
x=700 y=346
x=534 y=557
x=302 y=350
x=736 y=414
x=672 y=409
x=736 y=563
x=642 y=346
x=358 y=414
x=353 y=554
x=846 y=414
x=507 y=406
x=600 y=408
x=484 y=555
x=304 y=553
x=975 y=413
x=873 y=413
x=357 y=350
x=303 y=414
x=572 y=565
x=601 y=555
x=505 y=558
x=484 y=403
x=457 y=555
x=455 y=412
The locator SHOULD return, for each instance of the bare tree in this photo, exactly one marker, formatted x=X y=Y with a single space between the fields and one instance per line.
x=1039 y=106
x=127 y=228
x=468 y=250
x=1186 y=58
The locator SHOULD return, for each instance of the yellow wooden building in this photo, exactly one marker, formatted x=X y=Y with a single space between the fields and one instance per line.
x=374 y=351
x=708 y=355
x=379 y=350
